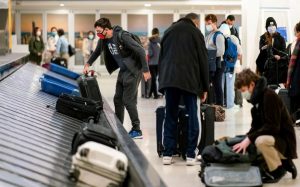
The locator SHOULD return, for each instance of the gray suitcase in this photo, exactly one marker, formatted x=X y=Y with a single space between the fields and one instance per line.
x=232 y=175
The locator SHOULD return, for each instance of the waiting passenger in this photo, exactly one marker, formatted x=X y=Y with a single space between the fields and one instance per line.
x=229 y=73
x=51 y=45
x=215 y=44
x=272 y=61
x=230 y=20
x=36 y=47
x=89 y=45
x=183 y=73
x=62 y=45
x=271 y=130
x=130 y=57
x=153 y=53
x=293 y=79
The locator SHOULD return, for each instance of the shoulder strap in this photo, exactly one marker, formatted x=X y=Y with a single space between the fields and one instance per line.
x=120 y=36
x=215 y=36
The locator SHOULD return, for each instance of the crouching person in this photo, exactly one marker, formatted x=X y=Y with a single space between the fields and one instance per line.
x=271 y=128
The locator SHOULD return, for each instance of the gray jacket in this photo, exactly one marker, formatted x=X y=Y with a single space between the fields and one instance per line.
x=219 y=46
x=135 y=60
x=154 y=50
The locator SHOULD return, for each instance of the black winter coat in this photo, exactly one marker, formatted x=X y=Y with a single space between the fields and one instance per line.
x=271 y=117
x=267 y=56
x=183 y=58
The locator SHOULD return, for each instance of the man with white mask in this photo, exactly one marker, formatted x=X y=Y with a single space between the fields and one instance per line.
x=216 y=49
x=271 y=130
x=229 y=75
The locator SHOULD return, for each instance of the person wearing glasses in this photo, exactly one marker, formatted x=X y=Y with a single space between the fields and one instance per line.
x=122 y=51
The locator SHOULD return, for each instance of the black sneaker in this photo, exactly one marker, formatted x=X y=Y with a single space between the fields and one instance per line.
x=274 y=176
x=289 y=165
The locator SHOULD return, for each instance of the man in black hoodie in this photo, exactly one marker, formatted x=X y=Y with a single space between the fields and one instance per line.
x=183 y=73
x=121 y=50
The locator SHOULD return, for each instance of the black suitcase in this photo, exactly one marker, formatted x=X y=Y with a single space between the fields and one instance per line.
x=182 y=131
x=80 y=108
x=60 y=61
x=207 y=114
x=100 y=133
x=284 y=95
x=89 y=88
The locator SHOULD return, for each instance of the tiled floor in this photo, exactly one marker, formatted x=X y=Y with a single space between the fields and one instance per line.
x=237 y=122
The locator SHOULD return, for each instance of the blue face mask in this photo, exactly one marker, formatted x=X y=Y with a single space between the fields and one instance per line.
x=53 y=34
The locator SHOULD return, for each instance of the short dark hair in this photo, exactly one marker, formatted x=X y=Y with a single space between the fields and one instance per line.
x=192 y=16
x=53 y=28
x=103 y=23
x=245 y=78
x=231 y=17
x=155 y=31
x=60 y=32
x=297 y=27
x=211 y=17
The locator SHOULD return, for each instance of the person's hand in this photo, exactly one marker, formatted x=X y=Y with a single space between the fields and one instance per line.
x=203 y=97
x=287 y=84
x=147 y=75
x=86 y=69
x=264 y=47
x=277 y=57
x=242 y=146
x=239 y=57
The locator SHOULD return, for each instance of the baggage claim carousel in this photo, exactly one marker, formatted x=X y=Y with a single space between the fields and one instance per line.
x=35 y=140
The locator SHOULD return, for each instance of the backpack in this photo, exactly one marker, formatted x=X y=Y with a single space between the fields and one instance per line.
x=230 y=54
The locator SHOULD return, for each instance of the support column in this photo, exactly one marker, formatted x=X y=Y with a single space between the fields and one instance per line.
x=176 y=15
x=251 y=21
x=9 y=25
x=150 y=23
x=18 y=26
x=124 y=22
x=71 y=33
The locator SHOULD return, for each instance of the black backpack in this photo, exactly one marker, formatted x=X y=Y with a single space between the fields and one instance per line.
x=71 y=50
x=124 y=51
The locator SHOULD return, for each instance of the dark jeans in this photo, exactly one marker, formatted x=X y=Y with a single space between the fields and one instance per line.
x=217 y=82
x=153 y=71
x=126 y=97
x=173 y=96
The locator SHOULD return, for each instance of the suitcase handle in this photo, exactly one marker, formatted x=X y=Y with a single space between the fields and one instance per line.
x=91 y=72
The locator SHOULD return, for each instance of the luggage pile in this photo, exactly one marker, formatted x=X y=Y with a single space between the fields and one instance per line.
x=96 y=160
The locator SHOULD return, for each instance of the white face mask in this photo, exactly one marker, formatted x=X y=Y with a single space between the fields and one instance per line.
x=91 y=36
x=271 y=29
x=246 y=95
x=38 y=33
x=230 y=26
x=209 y=28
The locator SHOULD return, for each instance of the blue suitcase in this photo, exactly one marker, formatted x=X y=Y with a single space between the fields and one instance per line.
x=60 y=79
x=56 y=88
x=63 y=71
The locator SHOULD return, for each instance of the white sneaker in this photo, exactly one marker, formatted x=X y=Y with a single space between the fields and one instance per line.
x=198 y=157
x=167 y=160
x=190 y=161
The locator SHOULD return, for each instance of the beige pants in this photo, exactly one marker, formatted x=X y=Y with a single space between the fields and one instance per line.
x=266 y=146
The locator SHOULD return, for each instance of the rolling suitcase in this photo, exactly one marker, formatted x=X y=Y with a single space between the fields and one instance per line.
x=95 y=164
x=182 y=131
x=78 y=107
x=57 y=88
x=89 y=88
x=63 y=71
x=225 y=175
x=100 y=133
x=207 y=114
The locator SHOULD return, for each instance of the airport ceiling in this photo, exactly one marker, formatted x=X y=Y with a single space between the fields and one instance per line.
x=107 y=5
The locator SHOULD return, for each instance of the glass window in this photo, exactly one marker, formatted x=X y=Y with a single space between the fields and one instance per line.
x=115 y=19
x=162 y=22
x=83 y=24
x=60 y=21
x=27 y=21
x=138 y=24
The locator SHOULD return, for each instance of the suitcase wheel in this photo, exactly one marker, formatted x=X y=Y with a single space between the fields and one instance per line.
x=120 y=165
x=74 y=175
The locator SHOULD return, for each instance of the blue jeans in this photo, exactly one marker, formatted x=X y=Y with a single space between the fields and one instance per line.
x=173 y=96
x=229 y=91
